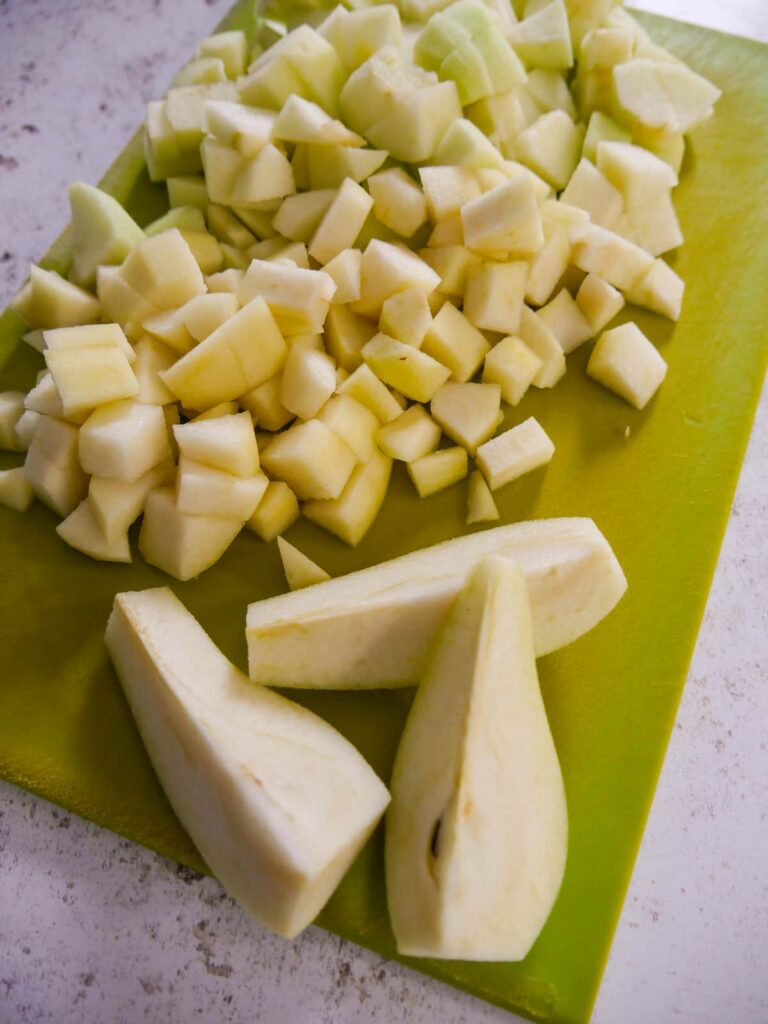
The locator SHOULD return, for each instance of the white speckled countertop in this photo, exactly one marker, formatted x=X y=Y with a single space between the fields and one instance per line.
x=96 y=929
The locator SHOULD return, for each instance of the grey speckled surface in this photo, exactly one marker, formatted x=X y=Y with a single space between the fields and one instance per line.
x=96 y=929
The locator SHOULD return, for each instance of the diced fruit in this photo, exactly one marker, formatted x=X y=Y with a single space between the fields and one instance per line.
x=548 y=265
x=15 y=490
x=387 y=269
x=438 y=470
x=81 y=531
x=410 y=436
x=116 y=504
x=300 y=214
x=590 y=190
x=617 y=261
x=341 y=223
x=44 y=399
x=25 y=428
x=366 y=387
x=102 y=232
x=123 y=440
x=493 y=297
x=543 y=38
x=204 y=491
x=550 y=90
x=264 y=404
x=152 y=359
x=299 y=299
x=276 y=511
x=566 y=321
x=227 y=443
x=346 y=334
x=375 y=627
x=217 y=411
x=311 y=459
x=88 y=377
x=47 y=300
x=11 y=411
x=476 y=844
x=598 y=301
x=353 y=422
x=637 y=174
x=169 y=328
x=308 y=381
x=412 y=132
x=414 y=373
x=448 y=231
x=406 y=317
x=89 y=336
x=653 y=226
x=505 y=219
x=513 y=453
x=625 y=361
x=664 y=96
x=330 y=166
x=245 y=129
x=253 y=778
x=205 y=313
x=268 y=176
x=344 y=270
x=163 y=270
x=52 y=467
x=351 y=515
x=225 y=281
x=513 y=366
x=300 y=120
x=302 y=63
x=602 y=128
x=187 y=192
x=453 y=341
x=300 y=571
x=481 y=508
x=202 y=70
x=451 y=262
x=185 y=218
x=226 y=227
x=398 y=202
x=551 y=147
x=660 y=290
x=465 y=145
x=448 y=189
x=229 y=47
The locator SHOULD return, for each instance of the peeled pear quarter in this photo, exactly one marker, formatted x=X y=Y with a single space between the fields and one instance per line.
x=374 y=628
x=477 y=831
x=277 y=801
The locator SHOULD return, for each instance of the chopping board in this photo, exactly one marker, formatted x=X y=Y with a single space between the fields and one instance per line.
x=658 y=483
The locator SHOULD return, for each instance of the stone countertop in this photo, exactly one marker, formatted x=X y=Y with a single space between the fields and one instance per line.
x=94 y=928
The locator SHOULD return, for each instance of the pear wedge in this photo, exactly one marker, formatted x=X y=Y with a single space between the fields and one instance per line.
x=278 y=803
x=477 y=832
x=374 y=628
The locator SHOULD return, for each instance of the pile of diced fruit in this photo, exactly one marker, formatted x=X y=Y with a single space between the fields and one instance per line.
x=379 y=234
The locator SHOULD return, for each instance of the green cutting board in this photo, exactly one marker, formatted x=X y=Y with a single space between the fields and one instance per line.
x=659 y=483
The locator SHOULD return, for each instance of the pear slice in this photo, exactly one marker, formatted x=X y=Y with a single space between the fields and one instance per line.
x=254 y=778
x=374 y=628
x=477 y=831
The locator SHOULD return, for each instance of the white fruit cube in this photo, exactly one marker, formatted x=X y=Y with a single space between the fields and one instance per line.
x=246 y=129
x=358 y=34
x=163 y=270
x=451 y=262
x=44 y=398
x=295 y=254
x=276 y=511
x=351 y=515
x=102 y=232
x=225 y=281
x=364 y=386
x=311 y=458
x=88 y=377
x=589 y=189
x=229 y=47
x=505 y=219
x=660 y=290
x=548 y=266
x=300 y=120
x=217 y=411
x=11 y=411
x=169 y=328
x=268 y=176
x=513 y=453
x=329 y=166
x=90 y=336
x=180 y=544
x=664 y=96
x=346 y=334
x=204 y=491
x=299 y=215
x=493 y=296
x=617 y=261
x=438 y=470
x=566 y=321
x=299 y=299
x=456 y=343
x=573 y=220
x=412 y=372
x=653 y=226
x=625 y=361
x=543 y=37
x=300 y=571
x=465 y=145
x=342 y=222
x=448 y=189
x=15 y=490
x=542 y=342
x=152 y=359
x=468 y=413
x=344 y=270
x=551 y=147
x=116 y=504
x=205 y=313
x=308 y=381
x=398 y=202
x=637 y=174
x=406 y=317
x=513 y=366
x=412 y=132
x=481 y=508
x=598 y=301
x=207 y=252
x=448 y=231
x=82 y=532
x=353 y=422
x=387 y=269
x=227 y=443
x=52 y=466
x=410 y=436
x=123 y=440
x=119 y=302
x=50 y=301
x=25 y=428
x=265 y=406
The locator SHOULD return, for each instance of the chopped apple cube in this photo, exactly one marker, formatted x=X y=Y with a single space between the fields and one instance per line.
x=44 y=399
x=11 y=411
x=341 y=223
x=664 y=96
x=357 y=34
x=344 y=270
x=237 y=126
x=229 y=47
x=227 y=443
x=299 y=299
x=398 y=202
x=15 y=490
x=566 y=321
x=351 y=515
x=123 y=440
x=217 y=411
x=90 y=336
x=468 y=413
x=617 y=261
x=590 y=190
x=276 y=511
x=82 y=532
x=365 y=387
x=451 y=262
x=169 y=328
x=448 y=231
x=635 y=172
x=548 y=265
x=602 y=128
x=225 y=281
x=300 y=571
x=481 y=508
x=448 y=189
x=493 y=298
x=330 y=166
x=598 y=301
x=464 y=145
x=353 y=422
x=308 y=381
x=25 y=428
x=406 y=317
x=266 y=177
x=163 y=270
x=513 y=453
x=513 y=366
x=653 y=226
x=456 y=343
x=204 y=491
x=410 y=436
x=660 y=290
x=543 y=38
x=387 y=269
x=116 y=504
x=311 y=458
x=438 y=470
x=152 y=359
x=414 y=373
x=102 y=232
x=300 y=214
x=412 y=132
x=264 y=405
x=52 y=466
x=300 y=120
x=504 y=219
x=89 y=377
x=205 y=313
x=346 y=334
x=551 y=147
x=625 y=361
x=47 y=300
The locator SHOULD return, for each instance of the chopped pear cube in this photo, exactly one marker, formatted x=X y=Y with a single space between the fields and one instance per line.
x=590 y=190
x=205 y=313
x=123 y=440
x=344 y=270
x=353 y=422
x=543 y=38
x=365 y=387
x=410 y=436
x=15 y=490
x=598 y=301
x=163 y=270
x=243 y=128
x=311 y=458
x=225 y=281
x=308 y=381
x=664 y=96
x=414 y=373
x=456 y=343
x=207 y=252
x=267 y=176
x=412 y=132
x=90 y=336
x=82 y=532
x=438 y=470
x=660 y=290
x=351 y=515
x=330 y=166
x=481 y=508
x=451 y=262
x=229 y=47
x=513 y=366
x=398 y=202
x=653 y=226
x=299 y=215
x=466 y=146
x=513 y=453
x=617 y=261
x=448 y=189
x=406 y=317
x=566 y=321
x=300 y=571
x=602 y=128
x=494 y=293
x=45 y=399
x=548 y=266
x=52 y=466
x=448 y=231
x=387 y=269
x=341 y=223
x=637 y=174
x=504 y=219
x=358 y=34
x=47 y=300
x=11 y=411
x=346 y=334
x=116 y=504
x=264 y=404
x=204 y=491
x=298 y=299
x=169 y=328
x=468 y=413
x=227 y=443
x=301 y=120
x=102 y=232
x=625 y=361
x=276 y=511
x=152 y=359
x=551 y=147
x=89 y=377
x=25 y=428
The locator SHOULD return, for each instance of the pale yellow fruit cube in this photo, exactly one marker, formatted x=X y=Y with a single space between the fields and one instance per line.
x=660 y=290
x=152 y=359
x=227 y=443
x=300 y=571
x=351 y=515
x=386 y=269
x=398 y=202
x=44 y=399
x=205 y=313
x=452 y=263
x=608 y=255
x=225 y=281
x=481 y=508
x=82 y=532
x=505 y=219
x=47 y=300
x=163 y=270
x=448 y=189
x=298 y=298
x=493 y=295
x=411 y=436
x=308 y=381
x=551 y=147
x=267 y=176
x=88 y=377
x=548 y=266
x=406 y=317
x=456 y=343
x=598 y=301
x=276 y=511
x=542 y=342
x=513 y=366
x=299 y=215
x=25 y=428
x=625 y=361
x=169 y=328
x=15 y=490
x=414 y=373
x=353 y=422
x=342 y=222
x=35 y=340
x=448 y=231
x=438 y=470
x=52 y=466
x=468 y=413
x=346 y=334
x=206 y=250
x=116 y=504
x=589 y=190
x=517 y=451
x=123 y=440
x=11 y=411
x=264 y=404
x=90 y=336
x=566 y=321
x=204 y=491
x=121 y=303
x=217 y=411
x=364 y=386
x=344 y=269
x=311 y=459
x=180 y=544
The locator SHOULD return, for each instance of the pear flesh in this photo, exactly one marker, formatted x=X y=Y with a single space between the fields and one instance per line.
x=278 y=803
x=374 y=628
x=477 y=832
